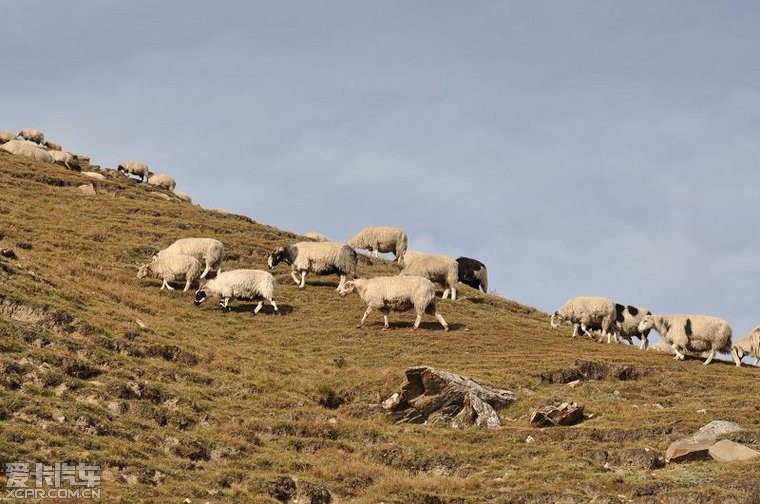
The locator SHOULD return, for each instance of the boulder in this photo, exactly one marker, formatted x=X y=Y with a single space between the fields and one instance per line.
x=563 y=414
x=448 y=397
x=86 y=189
x=697 y=446
x=729 y=451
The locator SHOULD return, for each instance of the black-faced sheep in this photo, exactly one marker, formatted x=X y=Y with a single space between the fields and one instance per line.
x=437 y=268
x=322 y=258
x=244 y=284
x=473 y=273
x=381 y=239
x=171 y=268
x=691 y=333
x=134 y=168
x=399 y=293
x=207 y=250
x=587 y=312
x=162 y=180
x=749 y=344
x=32 y=135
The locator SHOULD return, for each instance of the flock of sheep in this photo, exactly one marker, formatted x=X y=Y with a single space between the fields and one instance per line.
x=686 y=334
x=31 y=143
x=191 y=259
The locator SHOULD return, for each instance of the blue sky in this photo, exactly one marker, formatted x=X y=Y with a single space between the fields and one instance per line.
x=577 y=148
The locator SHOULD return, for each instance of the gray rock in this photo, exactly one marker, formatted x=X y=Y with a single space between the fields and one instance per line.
x=715 y=429
x=728 y=451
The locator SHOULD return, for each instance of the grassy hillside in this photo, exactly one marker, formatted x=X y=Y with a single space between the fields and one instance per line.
x=224 y=407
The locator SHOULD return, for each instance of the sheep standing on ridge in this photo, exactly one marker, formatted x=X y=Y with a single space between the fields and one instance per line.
x=748 y=345
x=21 y=148
x=316 y=236
x=135 y=168
x=586 y=312
x=399 y=293
x=473 y=273
x=64 y=158
x=322 y=258
x=51 y=145
x=162 y=180
x=6 y=136
x=691 y=333
x=247 y=284
x=171 y=268
x=32 y=135
x=440 y=269
x=207 y=250
x=381 y=239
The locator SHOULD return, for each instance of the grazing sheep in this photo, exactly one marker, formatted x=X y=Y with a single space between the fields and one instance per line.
x=748 y=345
x=64 y=158
x=322 y=258
x=172 y=267
x=135 y=168
x=183 y=196
x=399 y=293
x=162 y=180
x=316 y=236
x=587 y=312
x=250 y=284
x=7 y=136
x=473 y=273
x=21 y=148
x=439 y=268
x=381 y=239
x=691 y=333
x=31 y=134
x=51 y=145
x=207 y=250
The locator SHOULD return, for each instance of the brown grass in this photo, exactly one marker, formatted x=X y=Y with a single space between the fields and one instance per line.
x=219 y=406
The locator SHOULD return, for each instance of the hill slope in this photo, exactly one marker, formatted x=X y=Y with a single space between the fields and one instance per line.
x=218 y=407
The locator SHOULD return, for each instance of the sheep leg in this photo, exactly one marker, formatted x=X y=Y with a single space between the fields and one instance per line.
x=757 y=361
x=453 y=293
x=342 y=281
x=258 y=307
x=366 y=312
x=709 y=357
x=443 y=322
x=679 y=355
x=386 y=325
x=274 y=305
x=736 y=357
x=375 y=252
x=303 y=280
x=294 y=277
x=187 y=284
x=167 y=285
x=445 y=294
x=586 y=331
x=417 y=321
x=205 y=271
x=644 y=343
x=224 y=304
x=575 y=331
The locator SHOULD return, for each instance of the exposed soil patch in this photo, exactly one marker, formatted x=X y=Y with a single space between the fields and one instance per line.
x=589 y=370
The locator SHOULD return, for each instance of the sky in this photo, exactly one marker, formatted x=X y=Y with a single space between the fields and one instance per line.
x=576 y=148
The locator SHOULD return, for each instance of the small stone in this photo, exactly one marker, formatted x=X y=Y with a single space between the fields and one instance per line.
x=530 y=440
x=729 y=451
x=141 y=324
x=573 y=383
x=702 y=411
x=333 y=421
x=391 y=402
x=86 y=189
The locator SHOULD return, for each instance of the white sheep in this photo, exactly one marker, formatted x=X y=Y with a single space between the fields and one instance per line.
x=162 y=180
x=691 y=333
x=250 y=284
x=183 y=196
x=31 y=134
x=322 y=258
x=6 y=136
x=135 y=168
x=51 y=145
x=381 y=239
x=21 y=148
x=170 y=268
x=749 y=344
x=316 y=236
x=207 y=250
x=64 y=158
x=628 y=318
x=588 y=312
x=437 y=268
x=399 y=293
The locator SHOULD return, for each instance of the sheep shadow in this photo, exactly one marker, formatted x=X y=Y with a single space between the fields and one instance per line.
x=267 y=309
x=408 y=326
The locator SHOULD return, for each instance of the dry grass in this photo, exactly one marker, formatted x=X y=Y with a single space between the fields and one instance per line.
x=219 y=406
